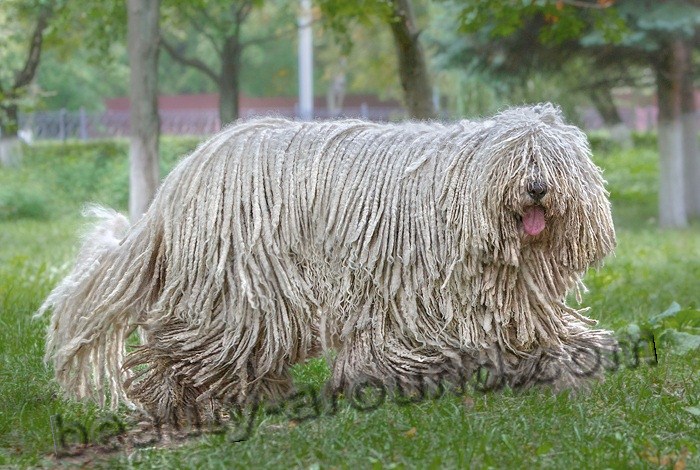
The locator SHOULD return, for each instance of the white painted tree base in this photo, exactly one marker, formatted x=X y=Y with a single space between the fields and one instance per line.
x=672 y=211
x=10 y=152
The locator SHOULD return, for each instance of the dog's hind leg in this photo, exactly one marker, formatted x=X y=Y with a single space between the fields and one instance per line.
x=185 y=373
x=161 y=382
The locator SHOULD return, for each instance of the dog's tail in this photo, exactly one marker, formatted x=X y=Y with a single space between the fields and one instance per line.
x=93 y=310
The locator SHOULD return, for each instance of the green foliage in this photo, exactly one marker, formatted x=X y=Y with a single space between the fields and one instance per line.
x=375 y=73
x=677 y=328
x=641 y=24
x=660 y=20
x=73 y=79
x=23 y=25
x=481 y=73
x=74 y=173
x=562 y=21
x=95 y=171
x=618 y=40
x=477 y=94
x=342 y=17
x=85 y=58
x=205 y=34
x=644 y=139
x=632 y=182
x=603 y=142
x=17 y=20
x=174 y=149
x=91 y=28
x=22 y=203
x=33 y=257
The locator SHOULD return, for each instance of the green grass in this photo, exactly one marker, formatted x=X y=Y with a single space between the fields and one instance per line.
x=638 y=417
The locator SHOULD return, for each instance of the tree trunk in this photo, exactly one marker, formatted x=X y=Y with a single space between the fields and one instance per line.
x=143 y=38
x=413 y=71
x=604 y=102
x=669 y=75
x=691 y=151
x=10 y=146
x=10 y=151
x=602 y=99
x=229 y=79
x=336 y=90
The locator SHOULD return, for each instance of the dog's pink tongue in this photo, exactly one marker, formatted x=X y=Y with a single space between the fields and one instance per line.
x=533 y=220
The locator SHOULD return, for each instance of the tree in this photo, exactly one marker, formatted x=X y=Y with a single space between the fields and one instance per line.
x=399 y=16
x=142 y=25
x=671 y=68
x=85 y=59
x=642 y=33
x=345 y=59
x=89 y=60
x=219 y=23
x=413 y=71
x=21 y=56
x=480 y=74
x=690 y=132
x=73 y=79
x=525 y=52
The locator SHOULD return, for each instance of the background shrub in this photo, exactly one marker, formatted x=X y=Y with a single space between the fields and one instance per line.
x=74 y=173
x=22 y=203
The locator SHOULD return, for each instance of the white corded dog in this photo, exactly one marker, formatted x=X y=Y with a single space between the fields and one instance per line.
x=410 y=249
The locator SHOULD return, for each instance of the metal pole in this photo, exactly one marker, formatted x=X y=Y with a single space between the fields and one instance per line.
x=306 y=62
x=62 y=124
x=83 y=124
x=364 y=110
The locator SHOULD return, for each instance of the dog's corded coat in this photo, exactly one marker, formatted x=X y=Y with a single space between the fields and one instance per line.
x=400 y=246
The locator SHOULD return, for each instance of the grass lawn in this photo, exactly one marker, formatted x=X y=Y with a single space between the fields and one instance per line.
x=643 y=417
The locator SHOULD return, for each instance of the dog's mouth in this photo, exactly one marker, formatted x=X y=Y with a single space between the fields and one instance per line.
x=533 y=220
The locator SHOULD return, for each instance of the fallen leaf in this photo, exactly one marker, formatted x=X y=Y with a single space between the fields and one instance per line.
x=411 y=432
x=680 y=463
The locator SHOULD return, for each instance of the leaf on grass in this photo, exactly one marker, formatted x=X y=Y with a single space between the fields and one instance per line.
x=693 y=410
x=665 y=460
x=681 y=341
x=649 y=457
x=544 y=448
x=669 y=312
x=632 y=330
x=680 y=462
x=675 y=317
x=468 y=402
x=411 y=432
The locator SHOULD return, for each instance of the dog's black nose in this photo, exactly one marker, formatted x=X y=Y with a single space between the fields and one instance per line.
x=537 y=190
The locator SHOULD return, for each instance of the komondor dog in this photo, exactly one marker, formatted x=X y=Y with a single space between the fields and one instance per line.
x=409 y=250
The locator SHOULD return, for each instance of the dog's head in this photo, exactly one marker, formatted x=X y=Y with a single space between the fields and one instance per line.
x=528 y=183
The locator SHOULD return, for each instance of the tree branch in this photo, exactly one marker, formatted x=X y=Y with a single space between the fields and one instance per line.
x=272 y=37
x=26 y=75
x=583 y=4
x=202 y=30
x=242 y=13
x=188 y=61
